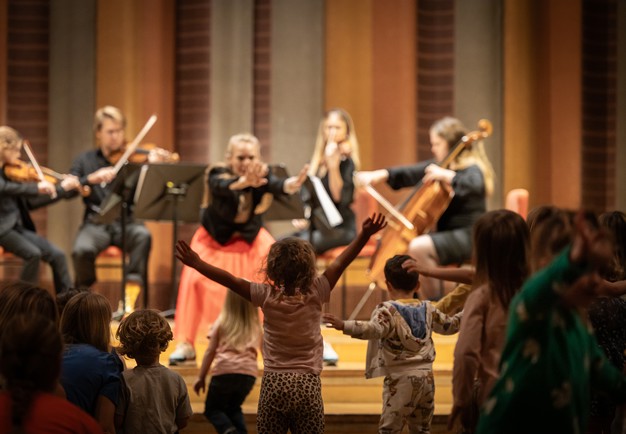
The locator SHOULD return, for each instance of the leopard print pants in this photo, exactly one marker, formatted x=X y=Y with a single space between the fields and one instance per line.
x=290 y=401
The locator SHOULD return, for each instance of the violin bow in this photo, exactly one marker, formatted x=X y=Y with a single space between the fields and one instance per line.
x=133 y=145
x=33 y=160
x=389 y=207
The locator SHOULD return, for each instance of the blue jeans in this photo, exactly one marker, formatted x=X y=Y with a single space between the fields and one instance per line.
x=223 y=402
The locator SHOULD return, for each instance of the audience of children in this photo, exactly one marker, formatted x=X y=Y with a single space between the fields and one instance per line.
x=31 y=347
x=551 y=359
x=157 y=400
x=291 y=300
x=90 y=371
x=401 y=349
x=501 y=253
x=232 y=358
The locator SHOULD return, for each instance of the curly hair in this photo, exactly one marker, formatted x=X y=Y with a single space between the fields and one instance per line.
x=290 y=265
x=143 y=333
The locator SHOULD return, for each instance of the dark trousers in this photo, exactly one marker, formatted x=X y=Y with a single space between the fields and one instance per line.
x=33 y=248
x=223 y=402
x=94 y=238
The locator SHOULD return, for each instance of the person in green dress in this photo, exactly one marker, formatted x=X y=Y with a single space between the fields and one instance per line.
x=551 y=359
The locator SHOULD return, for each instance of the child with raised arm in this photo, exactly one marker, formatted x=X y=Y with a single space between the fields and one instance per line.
x=401 y=349
x=291 y=299
x=232 y=350
x=157 y=399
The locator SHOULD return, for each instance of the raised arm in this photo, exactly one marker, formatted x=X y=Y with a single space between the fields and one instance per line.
x=190 y=258
x=456 y=274
x=371 y=225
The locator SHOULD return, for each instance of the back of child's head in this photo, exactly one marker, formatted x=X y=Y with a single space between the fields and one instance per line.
x=26 y=298
x=549 y=236
x=30 y=361
x=63 y=297
x=398 y=277
x=290 y=265
x=615 y=222
x=501 y=253
x=143 y=333
x=86 y=319
x=238 y=321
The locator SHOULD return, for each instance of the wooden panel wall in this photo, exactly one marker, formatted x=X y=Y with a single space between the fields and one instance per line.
x=435 y=67
x=599 y=78
x=4 y=6
x=262 y=75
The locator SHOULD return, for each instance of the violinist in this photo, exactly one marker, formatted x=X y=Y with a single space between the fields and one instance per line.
x=470 y=176
x=334 y=160
x=95 y=169
x=231 y=237
x=17 y=231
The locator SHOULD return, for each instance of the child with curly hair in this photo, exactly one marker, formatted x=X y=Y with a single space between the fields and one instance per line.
x=291 y=299
x=157 y=399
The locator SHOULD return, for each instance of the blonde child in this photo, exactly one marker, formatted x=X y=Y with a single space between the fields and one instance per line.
x=551 y=359
x=232 y=351
x=401 y=349
x=291 y=300
x=157 y=399
x=501 y=256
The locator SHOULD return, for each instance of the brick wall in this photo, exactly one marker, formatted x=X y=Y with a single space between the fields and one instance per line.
x=261 y=76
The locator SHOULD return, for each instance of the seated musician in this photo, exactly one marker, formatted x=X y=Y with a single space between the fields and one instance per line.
x=232 y=236
x=94 y=168
x=470 y=175
x=17 y=231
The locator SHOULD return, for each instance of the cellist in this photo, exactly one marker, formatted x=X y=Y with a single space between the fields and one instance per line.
x=471 y=177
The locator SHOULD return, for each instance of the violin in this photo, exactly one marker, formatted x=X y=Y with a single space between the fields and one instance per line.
x=420 y=211
x=144 y=153
x=21 y=171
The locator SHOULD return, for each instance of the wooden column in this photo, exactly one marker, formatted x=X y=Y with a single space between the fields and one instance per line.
x=4 y=6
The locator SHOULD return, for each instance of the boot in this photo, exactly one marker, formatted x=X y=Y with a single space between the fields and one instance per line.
x=131 y=292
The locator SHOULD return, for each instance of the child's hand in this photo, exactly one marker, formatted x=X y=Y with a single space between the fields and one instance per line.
x=186 y=255
x=332 y=321
x=374 y=224
x=199 y=385
x=412 y=266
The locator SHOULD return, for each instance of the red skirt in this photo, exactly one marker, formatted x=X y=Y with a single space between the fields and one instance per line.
x=200 y=299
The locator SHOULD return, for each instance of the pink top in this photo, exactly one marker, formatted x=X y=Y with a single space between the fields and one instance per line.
x=479 y=346
x=292 y=341
x=230 y=360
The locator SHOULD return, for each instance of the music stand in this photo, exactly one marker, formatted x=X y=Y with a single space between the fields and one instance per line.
x=170 y=192
x=115 y=205
x=284 y=206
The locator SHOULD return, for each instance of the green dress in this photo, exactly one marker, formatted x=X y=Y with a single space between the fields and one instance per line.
x=550 y=361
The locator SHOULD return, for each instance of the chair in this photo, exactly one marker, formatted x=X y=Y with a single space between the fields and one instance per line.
x=109 y=262
x=364 y=205
x=517 y=201
x=9 y=261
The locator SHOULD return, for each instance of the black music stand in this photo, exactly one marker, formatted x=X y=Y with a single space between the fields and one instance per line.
x=116 y=205
x=287 y=206
x=170 y=192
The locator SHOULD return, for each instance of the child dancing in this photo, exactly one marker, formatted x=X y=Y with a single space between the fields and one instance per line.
x=291 y=299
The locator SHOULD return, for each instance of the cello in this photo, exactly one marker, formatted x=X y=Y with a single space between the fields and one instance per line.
x=420 y=212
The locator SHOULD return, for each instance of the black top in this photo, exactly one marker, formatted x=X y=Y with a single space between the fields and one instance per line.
x=219 y=217
x=17 y=198
x=469 y=200
x=318 y=217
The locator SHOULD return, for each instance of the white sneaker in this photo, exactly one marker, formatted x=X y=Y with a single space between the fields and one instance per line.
x=330 y=355
x=184 y=352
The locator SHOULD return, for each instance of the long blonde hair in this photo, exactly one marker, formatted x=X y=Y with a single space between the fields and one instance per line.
x=452 y=131
x=238 y=322
x=315 y=166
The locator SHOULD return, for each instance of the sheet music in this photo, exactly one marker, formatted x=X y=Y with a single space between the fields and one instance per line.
x=330 y=210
